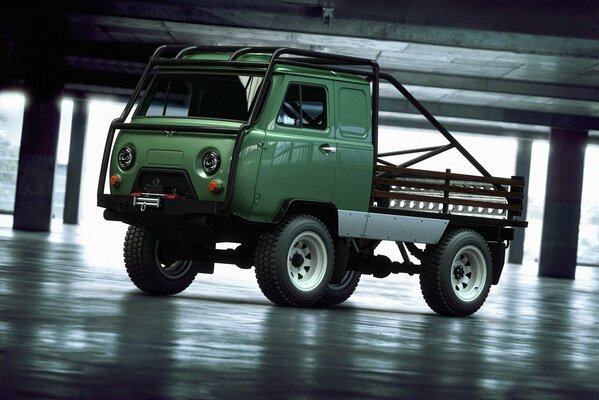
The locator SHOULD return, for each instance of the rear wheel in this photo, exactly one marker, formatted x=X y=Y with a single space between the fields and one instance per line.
x=337 y=293
x=295 y=262
x=456 y=273
x=151 y=269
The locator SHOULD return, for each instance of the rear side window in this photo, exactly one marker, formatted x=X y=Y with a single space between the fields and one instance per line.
x=354 y=113
x=304 y=106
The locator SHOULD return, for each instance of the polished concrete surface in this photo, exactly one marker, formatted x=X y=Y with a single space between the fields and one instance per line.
x=72 y=326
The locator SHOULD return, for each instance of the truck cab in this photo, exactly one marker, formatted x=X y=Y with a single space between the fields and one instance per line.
x=276 y=149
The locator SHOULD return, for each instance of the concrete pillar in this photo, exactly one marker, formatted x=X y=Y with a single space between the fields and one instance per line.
x=39 y=62
x=75 y=166
x=37 y=156
x=523 y=156
x=559 y=240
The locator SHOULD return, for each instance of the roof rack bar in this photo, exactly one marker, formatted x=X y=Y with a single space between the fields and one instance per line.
x=209 y=49
x=310 y=56
x=327 y=67
x=248 y=50
x=215 y=63
x=185 y=51
x=323 y=56
x=320 y=61
x=167 y=47
x=239 y=52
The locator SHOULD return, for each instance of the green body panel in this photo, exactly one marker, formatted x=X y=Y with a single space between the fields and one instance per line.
x=165 y=157
x=247 y=171
x=293 y=166
x=179 y=151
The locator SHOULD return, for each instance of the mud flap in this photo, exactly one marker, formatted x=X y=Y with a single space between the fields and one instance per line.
x=341 y=257
x=498 y=257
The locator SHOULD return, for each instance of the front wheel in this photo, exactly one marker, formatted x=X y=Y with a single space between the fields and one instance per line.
x=456 y=273
x=294 y=263
x=151 y=269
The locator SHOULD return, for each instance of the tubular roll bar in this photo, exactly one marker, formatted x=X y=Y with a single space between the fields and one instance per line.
x=437 y=125
x=302 y=58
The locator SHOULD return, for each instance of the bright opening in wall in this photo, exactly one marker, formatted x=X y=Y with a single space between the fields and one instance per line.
x=12 y=107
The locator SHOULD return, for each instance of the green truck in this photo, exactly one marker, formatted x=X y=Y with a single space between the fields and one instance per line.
x=276 y=150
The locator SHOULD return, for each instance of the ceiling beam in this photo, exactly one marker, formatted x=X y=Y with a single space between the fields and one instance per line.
x=506 y=86
x=553 y=120
x=554 y=29
x=480 y=128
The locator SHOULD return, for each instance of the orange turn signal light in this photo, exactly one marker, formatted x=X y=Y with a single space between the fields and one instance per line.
x=215 y=186
x=115 y=180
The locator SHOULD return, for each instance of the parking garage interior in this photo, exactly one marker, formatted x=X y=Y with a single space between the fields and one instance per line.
x=516 y=83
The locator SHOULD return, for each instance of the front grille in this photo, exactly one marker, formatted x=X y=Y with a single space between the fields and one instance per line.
x=164 y=182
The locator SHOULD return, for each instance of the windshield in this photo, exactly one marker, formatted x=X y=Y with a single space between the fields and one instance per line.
x=217 y=96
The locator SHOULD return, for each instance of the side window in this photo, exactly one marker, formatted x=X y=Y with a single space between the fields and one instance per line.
x=354 y=113
x=304 y=106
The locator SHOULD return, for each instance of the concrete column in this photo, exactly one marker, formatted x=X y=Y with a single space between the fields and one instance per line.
x=40 y=38
x=523 y=156
x=37 y=157
x=559 y=241
x=75 y=166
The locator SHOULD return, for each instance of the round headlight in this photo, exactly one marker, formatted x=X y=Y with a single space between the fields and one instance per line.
x=211 y=162
x=126 y=157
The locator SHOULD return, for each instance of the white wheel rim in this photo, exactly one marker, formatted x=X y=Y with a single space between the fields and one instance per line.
x=468 y=273
x=307 y=261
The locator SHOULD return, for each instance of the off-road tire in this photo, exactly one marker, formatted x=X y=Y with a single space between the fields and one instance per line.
x=456 y=273
x=146 y=270
x=294 y=263
x=338 y=293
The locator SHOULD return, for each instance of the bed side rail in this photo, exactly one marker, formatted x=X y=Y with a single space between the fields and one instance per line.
x=448 y=193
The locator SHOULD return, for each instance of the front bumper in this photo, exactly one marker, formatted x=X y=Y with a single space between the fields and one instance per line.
x=182 y=220
x=170 y=211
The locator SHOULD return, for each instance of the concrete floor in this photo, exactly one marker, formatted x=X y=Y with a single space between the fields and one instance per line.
x=72 y=326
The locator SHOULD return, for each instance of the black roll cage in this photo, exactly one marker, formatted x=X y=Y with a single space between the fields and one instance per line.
x=303 y=58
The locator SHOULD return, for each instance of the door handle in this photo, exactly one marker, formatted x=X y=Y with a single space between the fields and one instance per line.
x=326 y=148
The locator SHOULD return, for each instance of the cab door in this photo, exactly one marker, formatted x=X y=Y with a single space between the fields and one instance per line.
x=355 y=151
x=299 y=154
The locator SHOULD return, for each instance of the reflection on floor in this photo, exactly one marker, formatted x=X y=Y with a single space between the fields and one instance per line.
x=72 y=326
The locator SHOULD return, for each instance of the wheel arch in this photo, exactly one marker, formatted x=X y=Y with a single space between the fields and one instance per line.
x=326 y=212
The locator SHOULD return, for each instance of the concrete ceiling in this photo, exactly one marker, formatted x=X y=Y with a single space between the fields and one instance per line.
x=490 y=64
